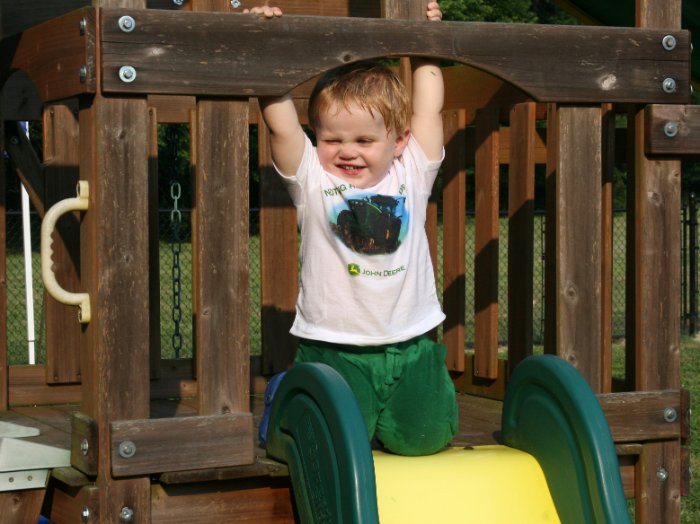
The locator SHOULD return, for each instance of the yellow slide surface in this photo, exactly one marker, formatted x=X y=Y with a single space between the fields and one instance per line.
x=484 y=485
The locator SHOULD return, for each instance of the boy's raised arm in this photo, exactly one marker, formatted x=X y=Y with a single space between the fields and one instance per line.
x=428 y=98
x=280 y=115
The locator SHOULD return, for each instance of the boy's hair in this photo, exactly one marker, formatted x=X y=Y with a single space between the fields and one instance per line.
x=374 y=87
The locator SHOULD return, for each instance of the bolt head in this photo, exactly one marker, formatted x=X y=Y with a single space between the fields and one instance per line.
x=662 y=474
x=85 y=514
x=235 y=4
x=670 y=130
x=669 y=42
x=669 y=85
x=126 y=514
x=84 y=447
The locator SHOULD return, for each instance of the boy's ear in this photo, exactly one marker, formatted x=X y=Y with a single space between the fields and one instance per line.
x=401 y=141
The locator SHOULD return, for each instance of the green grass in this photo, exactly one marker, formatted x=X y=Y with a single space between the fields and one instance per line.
x=690 y=380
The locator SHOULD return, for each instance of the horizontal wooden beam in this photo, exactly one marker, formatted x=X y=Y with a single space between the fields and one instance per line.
x=672 y=130
x=226 y=54
x=184 y=443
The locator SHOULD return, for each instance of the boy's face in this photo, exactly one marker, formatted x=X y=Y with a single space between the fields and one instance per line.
x=354 y=145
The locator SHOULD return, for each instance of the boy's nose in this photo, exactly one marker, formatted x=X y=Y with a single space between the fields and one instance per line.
x=347 y=151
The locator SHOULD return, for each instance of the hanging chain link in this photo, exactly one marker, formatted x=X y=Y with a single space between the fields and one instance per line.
x=172 y=137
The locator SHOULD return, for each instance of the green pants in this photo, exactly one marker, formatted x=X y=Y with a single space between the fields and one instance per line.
x=404 y=391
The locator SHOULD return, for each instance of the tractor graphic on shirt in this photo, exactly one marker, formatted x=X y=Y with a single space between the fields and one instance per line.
x=371 y=225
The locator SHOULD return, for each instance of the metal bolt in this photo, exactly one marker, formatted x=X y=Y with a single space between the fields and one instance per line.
x=127 y=449
x=83 y=74
x=126 y=514
x=670 y=414
x=84 y=447
x=669 y=42
x=662 y=474
x=669 y=85
x=178 y=2
x=670 y=130
x=235 y=4
x=85 y=513
x=126 y=24
x=14 y=140
x=83 y=26
x=127 y=74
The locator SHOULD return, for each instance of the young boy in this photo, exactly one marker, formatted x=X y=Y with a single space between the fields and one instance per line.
x=367 y=294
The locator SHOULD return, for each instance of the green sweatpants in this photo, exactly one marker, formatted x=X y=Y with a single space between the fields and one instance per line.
x=404 y=391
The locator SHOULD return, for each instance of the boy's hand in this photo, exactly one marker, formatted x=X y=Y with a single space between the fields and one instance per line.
x=433 y=12
x=266 y=11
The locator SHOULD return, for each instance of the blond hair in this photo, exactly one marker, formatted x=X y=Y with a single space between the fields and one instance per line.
x=374 y=87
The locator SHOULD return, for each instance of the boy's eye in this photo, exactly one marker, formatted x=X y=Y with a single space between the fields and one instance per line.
x=365 y=141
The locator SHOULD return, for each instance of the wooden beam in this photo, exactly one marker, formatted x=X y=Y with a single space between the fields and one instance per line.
x=177 y=444
x=226 y=54
x=521 y=227
x=61 y=161
x=486 y=179
x=578 y=232
x=672 y=130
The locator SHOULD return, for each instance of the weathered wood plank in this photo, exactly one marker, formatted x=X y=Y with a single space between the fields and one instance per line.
x=454 y=205
x=114 y=271
x=27 y=386
x=184 y=443
x=578 y=232
x=61 y=160
x=154 y=290
x=224 y=502
x=486 y=179
x=672 y=130
x=656 y=281
x=229 y=54
x=521 y=227
x=220 y=255
x=21 y=507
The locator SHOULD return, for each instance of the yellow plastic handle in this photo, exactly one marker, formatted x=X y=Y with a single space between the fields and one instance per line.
x=79 y=203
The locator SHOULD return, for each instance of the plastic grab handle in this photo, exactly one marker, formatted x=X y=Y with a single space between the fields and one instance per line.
x=79 y=203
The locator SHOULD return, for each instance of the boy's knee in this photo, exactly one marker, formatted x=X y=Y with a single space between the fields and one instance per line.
x=417 y=442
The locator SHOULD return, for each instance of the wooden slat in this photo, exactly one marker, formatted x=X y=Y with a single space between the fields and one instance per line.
x=67 y=503
x=550 y=251
x=278 y=262
x=454 y=205
x=226 y=54
x=672 y=129
x=4 y=362
x=521 y=227
x=220 y=254
x=183 y=443
x=606 y=246
x=270 y=502
x=486 y=220
x=658 y=483
x=61 y=160
x=52 y=55
x=84 y=444
x=21 y=507
x=27 y=386
x=578 y=232
x=114 y=271
x=154 y=290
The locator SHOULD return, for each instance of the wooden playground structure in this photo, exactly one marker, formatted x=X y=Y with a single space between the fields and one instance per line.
x=155 y=440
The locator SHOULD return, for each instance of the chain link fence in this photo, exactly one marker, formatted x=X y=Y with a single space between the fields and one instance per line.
x=176 y=317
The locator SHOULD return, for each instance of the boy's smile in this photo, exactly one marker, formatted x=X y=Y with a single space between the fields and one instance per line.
x=354 y=144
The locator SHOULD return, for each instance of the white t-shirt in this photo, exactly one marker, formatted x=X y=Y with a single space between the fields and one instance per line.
x=366 y=273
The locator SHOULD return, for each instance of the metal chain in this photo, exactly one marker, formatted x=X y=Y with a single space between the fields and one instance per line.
x=172 y=136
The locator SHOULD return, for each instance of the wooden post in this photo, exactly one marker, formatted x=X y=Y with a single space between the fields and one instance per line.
x=454 y=204
x=657 y=293
x=153 y=247
x=486 y=244
x=521 y=202
x=61 y=160
x=114 y=271
x=606 y=247
x=577 y=239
